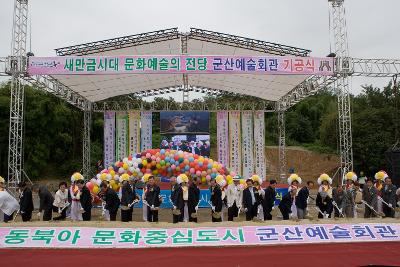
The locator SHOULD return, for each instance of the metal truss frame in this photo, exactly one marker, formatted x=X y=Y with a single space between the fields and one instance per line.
x=374 y=67
x=120 y=42
x=246 y=43
x=282 y=145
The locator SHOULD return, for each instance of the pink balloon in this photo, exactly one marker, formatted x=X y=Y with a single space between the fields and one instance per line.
x=89 y=185
x=148 y=155
x=192 y=170
x=173 y=166
x=208 y=177
x=198 y=173
x=214 y=170
x=148 y=171
x=153 y=157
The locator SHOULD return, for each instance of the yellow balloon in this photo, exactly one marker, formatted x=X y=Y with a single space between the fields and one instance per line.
x=125 y=166
x=96 y=189
x=203 y=180
x=103 y=176
x=112 y=172
x=144 y=162
x=115 y=187
x=112 y=183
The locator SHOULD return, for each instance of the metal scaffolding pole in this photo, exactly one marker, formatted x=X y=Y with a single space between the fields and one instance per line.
x=184 y=50
x=87 y=121
x=16 y=67
x=342 y=85
x=282 y=145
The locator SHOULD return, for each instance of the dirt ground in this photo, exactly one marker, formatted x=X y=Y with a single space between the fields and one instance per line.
x=204 y=218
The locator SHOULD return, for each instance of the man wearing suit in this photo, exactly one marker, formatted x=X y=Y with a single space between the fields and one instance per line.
x=301 y=200
x=285 y=206
x=194 y=199
x=86 y=200
x=152 y=198
x=128 y=195
x=197 y=149
x=370 y=195
x=25 y=202
x=46 y=202
x=250 y=200
x=178 y=146
x=177 y=202
x=234 y=198
x=389 y=196
x=111 y=199
x=268 y=201
x=216 y=201
x=206 y=149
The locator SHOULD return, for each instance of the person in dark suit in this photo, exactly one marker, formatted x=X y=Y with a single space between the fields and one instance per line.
x=389 y=196
x=25 y=202
x=268 y=202
x=216 y=201
x=111 y=199
x=285 y=206
x=185 y=147
x=177 y=203
x=152 y=198
x=178 y=146
x=194 y=199
x=197 y=149
x=206 y=149
x=250 y=200
x=128 y=199
x=85 y=200
x=302 y=199
x=370 y=196
x=46 y=202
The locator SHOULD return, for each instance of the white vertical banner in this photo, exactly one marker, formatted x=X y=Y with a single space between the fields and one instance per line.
x=134 y=132
x=247 y=144
x=146 y=127
x=122 y=136
x=235 y=142
x=259 y=144
x=223 y=137
x=109 y=138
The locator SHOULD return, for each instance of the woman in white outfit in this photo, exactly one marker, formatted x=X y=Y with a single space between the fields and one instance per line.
x=8 y=204
x=294 y=182
x=60 y=203
x=76 y=208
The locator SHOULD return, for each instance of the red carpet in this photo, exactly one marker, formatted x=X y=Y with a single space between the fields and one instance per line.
x=355 y=254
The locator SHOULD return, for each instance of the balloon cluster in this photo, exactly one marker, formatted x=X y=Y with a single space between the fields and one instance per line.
x=163 y=162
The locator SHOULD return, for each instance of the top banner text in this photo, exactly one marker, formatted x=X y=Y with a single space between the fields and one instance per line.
x=180 y=64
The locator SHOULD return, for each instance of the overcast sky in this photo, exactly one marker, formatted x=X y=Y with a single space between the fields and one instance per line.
x=373 y=26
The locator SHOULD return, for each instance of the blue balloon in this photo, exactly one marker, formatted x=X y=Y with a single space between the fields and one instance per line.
x=167 y=159
x=187 y=167
x=200 y=164
x=209 y=165
x=162 y=151
x=180 y=160
x=213 y=175
x=191 y=159
x=169 y=169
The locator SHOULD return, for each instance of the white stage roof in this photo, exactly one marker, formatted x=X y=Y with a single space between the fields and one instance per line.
x=169 y=42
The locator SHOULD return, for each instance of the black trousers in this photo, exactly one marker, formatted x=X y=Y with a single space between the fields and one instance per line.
x=113 y=215
x=126 y=215
x=62 y=216
x=87 y=215
x=215 y=219
x=327 y=209
x=8 y=218
x=387 y=211
x=232 y=211
x=251 y=212
x=267 y=213
x=26 y=216
x=152 y=215
x=47 y=214
x=369 y=213
x=285 y=214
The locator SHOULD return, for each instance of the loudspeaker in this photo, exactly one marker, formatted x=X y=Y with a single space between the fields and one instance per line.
x=393 y=163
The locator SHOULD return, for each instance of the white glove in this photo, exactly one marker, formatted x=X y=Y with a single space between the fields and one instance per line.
x=196 y=208
x=273 y=207
x=245 y=209
x=152 y=206
x=390 y=205
x=213 y=208
x=174 y=207
x=22 y=212
x=39 y=214
x=130 y=205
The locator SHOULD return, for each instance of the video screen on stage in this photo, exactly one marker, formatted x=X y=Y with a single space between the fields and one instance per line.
x=184 y=122
x=192 y=143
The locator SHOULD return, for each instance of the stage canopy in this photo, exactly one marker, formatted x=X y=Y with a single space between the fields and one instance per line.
x=171 y=42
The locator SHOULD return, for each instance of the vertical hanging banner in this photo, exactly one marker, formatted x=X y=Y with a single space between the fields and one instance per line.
x=146 y=127
x=235 y=142
x=247 y=144
x=223 y=137
x=134 y=132
x=109 y=138
x=259 y=143
x=122 y=136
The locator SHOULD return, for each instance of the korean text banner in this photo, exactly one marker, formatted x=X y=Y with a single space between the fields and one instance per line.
x=121 y=150
x=247 y=144
x=134 y=132
x=235 y=142
x=259 y=143
x=223 y=137
x=176 y=64
x=146 y=130
x=90 y=237
x=109 y=138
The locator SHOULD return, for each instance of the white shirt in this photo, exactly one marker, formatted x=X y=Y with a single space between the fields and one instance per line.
x=60 y=198
x=8 y=204
x=234 y=194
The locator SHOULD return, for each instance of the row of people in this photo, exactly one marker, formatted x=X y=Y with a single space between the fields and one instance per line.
x=254 y=201
x=196 y=148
